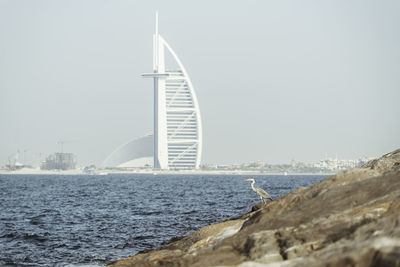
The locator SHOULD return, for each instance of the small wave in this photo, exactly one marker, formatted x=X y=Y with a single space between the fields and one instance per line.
x=144 y=237
x=35 y=221
x=34 y=237
x=37 y=216
x=120 y=246
x=8 y=235
x=150 y=213
x=61 y=245
x=30 y=236
x=190 y=212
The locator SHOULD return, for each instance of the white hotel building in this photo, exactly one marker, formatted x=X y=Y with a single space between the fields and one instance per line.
x=177 y=122
x=177 y=142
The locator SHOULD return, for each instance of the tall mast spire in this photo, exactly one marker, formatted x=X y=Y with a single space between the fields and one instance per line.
x=155 y=46
x=156 y=22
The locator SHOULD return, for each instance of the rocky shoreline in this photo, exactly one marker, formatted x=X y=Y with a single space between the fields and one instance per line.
x=348 y=219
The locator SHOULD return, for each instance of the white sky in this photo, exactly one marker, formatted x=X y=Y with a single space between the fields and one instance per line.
x=275 y=80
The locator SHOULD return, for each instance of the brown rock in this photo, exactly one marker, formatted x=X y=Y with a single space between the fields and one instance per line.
x=349 y=219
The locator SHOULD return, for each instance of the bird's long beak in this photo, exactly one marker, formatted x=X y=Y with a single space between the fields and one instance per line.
x=246 y=180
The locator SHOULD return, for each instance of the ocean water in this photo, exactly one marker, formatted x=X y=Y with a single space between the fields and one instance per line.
x=81 y=220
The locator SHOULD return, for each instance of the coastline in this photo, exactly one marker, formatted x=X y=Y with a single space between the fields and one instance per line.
x=348 y=219
x=189 y=172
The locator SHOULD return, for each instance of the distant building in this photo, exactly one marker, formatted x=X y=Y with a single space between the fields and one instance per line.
x=177 y=140
x=134 y=154
x=59 y=161
x=177 y=123
x=334 y=164
x=14 y=166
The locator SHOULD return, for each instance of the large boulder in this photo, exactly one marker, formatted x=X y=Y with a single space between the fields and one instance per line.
x=349 y=219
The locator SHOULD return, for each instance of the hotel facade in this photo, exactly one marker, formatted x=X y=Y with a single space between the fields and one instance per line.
x=177 y=121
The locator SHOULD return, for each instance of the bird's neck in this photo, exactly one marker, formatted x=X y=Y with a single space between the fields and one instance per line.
x=252 y=184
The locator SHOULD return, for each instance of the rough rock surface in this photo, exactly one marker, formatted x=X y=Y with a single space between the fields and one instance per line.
x=349 y=219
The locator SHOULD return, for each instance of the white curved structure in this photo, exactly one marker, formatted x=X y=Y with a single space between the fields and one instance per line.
x=177 y=122
x=134 y=154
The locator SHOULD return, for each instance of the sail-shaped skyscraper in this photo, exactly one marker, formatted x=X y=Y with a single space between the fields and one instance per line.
x=177 y=122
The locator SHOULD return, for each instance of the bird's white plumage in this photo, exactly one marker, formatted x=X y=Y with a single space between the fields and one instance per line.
x=263 y=195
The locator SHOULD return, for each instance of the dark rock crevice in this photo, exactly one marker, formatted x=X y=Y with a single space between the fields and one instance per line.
x=282 y=243
x=345 y=232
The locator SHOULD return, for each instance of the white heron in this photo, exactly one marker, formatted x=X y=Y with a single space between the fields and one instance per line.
x=263 y=195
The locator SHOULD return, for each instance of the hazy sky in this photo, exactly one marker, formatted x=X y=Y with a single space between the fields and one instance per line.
x=275 y=80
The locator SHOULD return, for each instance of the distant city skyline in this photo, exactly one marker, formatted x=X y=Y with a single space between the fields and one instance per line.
x=275 y=81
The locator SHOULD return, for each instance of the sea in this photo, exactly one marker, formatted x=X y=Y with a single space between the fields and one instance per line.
x=92 y=220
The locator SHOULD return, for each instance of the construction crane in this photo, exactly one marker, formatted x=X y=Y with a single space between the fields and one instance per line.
x=61 y=143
